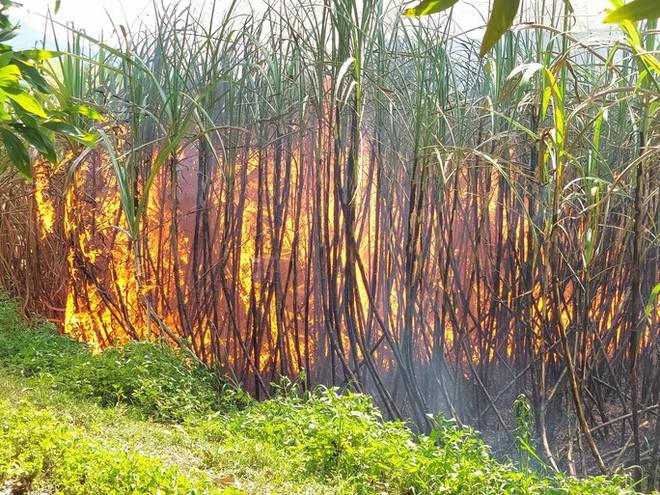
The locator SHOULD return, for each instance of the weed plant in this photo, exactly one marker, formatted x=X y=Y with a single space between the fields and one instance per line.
x=154 y=380
x=41 y=454
x=335 y=436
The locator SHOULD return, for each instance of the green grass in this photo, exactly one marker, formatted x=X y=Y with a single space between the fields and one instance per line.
x=144 y=419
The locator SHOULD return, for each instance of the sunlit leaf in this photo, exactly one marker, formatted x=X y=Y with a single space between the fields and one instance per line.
x=545 y=101
x=9 y=75
x=501 y=19
x=16 y=152
x=426 y=7
x=26 y=101
x=86 y=111
x=39 y=55
x=3 y=113
x=519 y=76
x=634 y=11
x=57 y=6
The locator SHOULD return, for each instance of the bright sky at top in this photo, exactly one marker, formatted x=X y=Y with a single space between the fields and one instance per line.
x=97 y=16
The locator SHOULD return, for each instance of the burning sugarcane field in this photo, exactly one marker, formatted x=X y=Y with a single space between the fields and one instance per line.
x=330 y=247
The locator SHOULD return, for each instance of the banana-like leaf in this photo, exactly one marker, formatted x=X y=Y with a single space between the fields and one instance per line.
x=426 y=7
x=634 y=11
x=501 y=18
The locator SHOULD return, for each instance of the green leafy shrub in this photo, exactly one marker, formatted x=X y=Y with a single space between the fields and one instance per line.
x=39 y=453
x=334 y=436
x=155 y=380
x=39 y=350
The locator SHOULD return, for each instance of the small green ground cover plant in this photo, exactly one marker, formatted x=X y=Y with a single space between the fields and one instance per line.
x=41 y=453
x=152 y=379
x=143 y=418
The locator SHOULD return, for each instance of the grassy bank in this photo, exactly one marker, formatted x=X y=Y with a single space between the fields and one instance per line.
x=145 y=419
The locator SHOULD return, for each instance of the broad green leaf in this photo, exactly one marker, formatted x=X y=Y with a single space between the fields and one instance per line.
x=26 y=119
x=5 y=58
x=64 y=128
x=26 y=101
x=67 y=129
x=426 y=7
x=8 y=33
x=39 y=55
x=634 y=11
x=33 y=77
x=9 y=75
x=86 y=111
x=41 y=142
x=16 y=152
x=57 y=6
x=501 y=19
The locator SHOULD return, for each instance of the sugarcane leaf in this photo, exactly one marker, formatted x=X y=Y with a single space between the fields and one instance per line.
x=16 y=152
x=519 y=76
x=426 y=7
x=501 y=19
x=636 y=10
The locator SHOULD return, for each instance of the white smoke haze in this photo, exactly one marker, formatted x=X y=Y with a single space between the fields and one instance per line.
x=100 y=18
